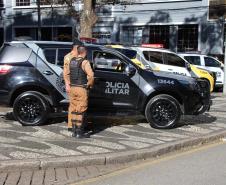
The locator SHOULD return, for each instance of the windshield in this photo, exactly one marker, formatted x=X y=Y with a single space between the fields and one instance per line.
x=131 y=54
x=135 y=57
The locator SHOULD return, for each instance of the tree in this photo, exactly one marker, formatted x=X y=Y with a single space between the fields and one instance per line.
x=87 y=18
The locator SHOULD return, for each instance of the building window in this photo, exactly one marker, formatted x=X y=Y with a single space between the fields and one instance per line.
x=46 y=33
x=132 y=35
x=103 y=37
x=187 y=38
x=1 y=4
x=25 y=33
x=159 y=35
x=64 y=34
x=23 y=3
x=48 y=2
x=217 y=9
x=33 y=2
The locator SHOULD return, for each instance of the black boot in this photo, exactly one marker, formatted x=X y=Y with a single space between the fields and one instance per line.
x=74 y=130
x=80 y=133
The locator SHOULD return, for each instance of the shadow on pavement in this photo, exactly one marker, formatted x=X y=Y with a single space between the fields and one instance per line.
x=195 y=120
x=98 y=124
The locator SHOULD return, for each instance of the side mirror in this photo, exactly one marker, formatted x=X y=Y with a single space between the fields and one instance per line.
x=130 y=70
x=188 y=66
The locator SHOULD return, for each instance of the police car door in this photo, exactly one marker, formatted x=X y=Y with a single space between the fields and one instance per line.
x=113 y=88
x=176 y=64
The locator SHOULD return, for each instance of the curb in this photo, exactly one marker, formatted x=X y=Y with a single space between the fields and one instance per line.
x=112 y=158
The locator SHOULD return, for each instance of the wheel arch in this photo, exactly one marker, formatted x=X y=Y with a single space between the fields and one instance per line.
x=30 y=87
x=170 y=93
x=206 y=79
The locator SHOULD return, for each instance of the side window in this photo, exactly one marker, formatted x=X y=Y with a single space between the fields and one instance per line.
x=108 y=62
x=193 y=60
x=174 y=60
x=50 y=55
x=153 y=56
x=61 y=54
x=210 y=62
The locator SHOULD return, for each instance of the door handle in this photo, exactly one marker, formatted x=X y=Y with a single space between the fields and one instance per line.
x=48 y=73
x=170 y=69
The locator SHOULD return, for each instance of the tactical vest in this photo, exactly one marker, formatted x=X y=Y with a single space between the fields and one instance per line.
x=77 y=76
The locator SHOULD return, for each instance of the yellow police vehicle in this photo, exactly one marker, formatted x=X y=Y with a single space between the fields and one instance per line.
x=164 y=60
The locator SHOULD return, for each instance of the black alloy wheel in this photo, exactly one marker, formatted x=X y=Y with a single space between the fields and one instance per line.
x=163 y=112
x=31 y=108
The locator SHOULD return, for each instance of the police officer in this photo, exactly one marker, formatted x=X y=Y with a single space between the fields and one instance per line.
x=81 y=79
x=66 y=72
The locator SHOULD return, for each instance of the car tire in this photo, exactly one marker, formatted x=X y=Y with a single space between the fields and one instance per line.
x=31 y=108
x=163 y=111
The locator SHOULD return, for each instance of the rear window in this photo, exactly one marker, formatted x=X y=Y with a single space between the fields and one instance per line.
x=56 y=55
x=153 y=56
x=193 y=60
x=50 y=55
x=174 y=60
x=11 y=54
x=210 y=62
x=61 y=55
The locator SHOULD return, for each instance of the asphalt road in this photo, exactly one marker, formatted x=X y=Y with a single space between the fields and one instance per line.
x=203 y=166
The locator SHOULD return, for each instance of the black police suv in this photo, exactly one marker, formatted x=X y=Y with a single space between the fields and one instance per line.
x=31 y=82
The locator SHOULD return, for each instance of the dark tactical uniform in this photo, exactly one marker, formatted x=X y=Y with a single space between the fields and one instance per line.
x=81 y=78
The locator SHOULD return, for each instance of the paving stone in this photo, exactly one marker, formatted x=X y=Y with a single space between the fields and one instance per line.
x=13 y=178
x=93 y=171
x=3 y=177
x=25 y=178
x=52 y=146
x=38 y=177
x=102 y=169
x=61 y=175
x=82 y=172
x=50 y=177
x=72 y=174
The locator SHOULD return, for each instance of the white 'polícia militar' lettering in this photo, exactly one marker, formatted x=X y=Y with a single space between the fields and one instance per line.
x=118 y=88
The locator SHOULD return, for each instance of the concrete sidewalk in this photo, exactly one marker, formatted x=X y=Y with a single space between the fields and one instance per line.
x=114 y=141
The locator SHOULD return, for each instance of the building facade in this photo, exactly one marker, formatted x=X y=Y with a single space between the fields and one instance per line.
x=20 y=18
x=180 y=25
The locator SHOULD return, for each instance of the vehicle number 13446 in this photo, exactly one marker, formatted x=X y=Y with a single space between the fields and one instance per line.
x=163 y=81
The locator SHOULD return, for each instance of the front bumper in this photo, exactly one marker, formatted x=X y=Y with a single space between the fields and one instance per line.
x=199 y=100
x=204 y=101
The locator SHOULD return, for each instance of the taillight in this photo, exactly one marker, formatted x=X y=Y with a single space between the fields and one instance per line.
x=5 y=69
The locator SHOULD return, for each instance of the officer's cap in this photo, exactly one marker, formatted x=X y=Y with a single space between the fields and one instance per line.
x=77 y=42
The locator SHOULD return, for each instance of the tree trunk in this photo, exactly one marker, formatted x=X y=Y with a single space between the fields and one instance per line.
x=88 y=18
